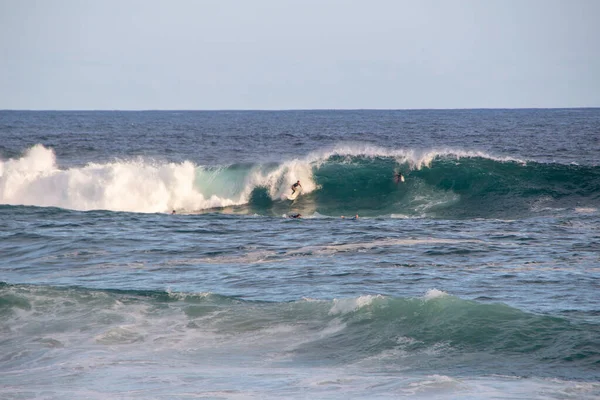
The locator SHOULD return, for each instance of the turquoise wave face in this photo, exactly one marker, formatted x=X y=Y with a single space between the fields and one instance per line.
x=344 y=181
x=432 y=333
x=449 y=187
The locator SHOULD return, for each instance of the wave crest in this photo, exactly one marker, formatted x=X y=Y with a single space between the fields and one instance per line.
x=345 y=179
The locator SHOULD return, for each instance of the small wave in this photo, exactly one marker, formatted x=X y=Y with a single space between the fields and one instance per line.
x=586 y=210
x=345 y=306
x=434 y=294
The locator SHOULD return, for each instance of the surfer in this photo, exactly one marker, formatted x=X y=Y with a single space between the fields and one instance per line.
x=297 y=215
x=398 y=177
x=294 y=186
x=355 y=217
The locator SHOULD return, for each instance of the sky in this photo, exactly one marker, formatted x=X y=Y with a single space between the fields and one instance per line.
x=309 y=54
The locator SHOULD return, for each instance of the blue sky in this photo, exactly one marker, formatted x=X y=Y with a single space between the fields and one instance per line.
x=279 y=54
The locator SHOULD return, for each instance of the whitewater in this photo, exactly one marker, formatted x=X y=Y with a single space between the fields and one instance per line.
x=345 y=174
x=150 y=255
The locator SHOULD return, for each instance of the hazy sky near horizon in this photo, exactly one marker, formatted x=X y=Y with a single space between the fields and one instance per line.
x=310 y=54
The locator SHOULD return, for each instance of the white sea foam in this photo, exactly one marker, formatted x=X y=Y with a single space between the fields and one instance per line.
x=344 y=306
x=134 y=185
x=586 y=210
x=416 y=159
x=434 y=294
x=120 y=335
x=35 y=179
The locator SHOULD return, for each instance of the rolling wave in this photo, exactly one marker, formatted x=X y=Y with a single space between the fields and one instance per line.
x=347 y=179
x=425 y=332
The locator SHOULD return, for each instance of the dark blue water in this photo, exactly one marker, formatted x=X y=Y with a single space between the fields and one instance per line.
x=477 y=277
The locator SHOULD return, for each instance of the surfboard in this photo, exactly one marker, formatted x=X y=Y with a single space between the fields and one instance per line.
x=296 y=193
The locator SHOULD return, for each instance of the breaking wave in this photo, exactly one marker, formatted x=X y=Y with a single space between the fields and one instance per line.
x=425 y=332
x=345 y=179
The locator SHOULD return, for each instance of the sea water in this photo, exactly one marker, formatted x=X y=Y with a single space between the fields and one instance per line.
x=478 y=277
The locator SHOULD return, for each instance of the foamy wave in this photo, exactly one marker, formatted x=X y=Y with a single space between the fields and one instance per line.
x=434 y=294
x=142 y=185
x=586 y=210
x=136 y=185
x=345 y=306
x=416 y=159
x=35 y=179
x=279 y=180
x=183 y=296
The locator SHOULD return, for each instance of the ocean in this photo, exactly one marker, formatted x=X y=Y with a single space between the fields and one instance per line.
x=151 y=254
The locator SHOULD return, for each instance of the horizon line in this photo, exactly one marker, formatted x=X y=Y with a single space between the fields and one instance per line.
x=286 y=109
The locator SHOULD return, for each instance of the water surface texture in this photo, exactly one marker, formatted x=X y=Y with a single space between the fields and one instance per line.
x=477 y=277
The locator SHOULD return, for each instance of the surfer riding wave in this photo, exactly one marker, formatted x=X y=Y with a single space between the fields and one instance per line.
x=295 y=186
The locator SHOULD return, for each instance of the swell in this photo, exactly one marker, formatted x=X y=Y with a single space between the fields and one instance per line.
x=427 y=332
x=489 y=187
x=343 y=180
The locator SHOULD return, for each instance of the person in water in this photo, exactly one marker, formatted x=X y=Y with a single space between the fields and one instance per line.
x=399 y=178
x=297 y=215
x=355 y=217
x=294 y=186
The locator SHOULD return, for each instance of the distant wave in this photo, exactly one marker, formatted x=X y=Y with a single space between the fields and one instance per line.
x=346 y=179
